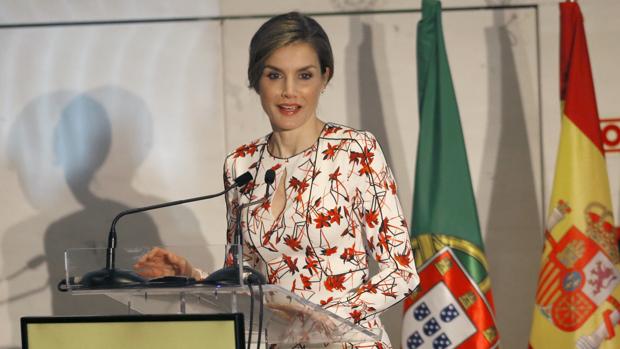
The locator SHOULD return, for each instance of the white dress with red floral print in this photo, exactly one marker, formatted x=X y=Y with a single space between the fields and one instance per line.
x=341 y=207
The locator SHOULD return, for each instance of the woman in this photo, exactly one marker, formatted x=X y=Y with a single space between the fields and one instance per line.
x=333 y=202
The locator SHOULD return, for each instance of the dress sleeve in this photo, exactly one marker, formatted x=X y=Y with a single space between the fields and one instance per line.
x=380 y=215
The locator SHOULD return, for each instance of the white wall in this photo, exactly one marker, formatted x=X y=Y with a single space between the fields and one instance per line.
x=95 y=119
x=168 y=99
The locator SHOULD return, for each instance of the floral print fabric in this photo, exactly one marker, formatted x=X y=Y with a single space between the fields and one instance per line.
x=341 y=207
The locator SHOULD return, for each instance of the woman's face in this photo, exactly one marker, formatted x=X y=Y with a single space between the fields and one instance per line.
x=290 y=86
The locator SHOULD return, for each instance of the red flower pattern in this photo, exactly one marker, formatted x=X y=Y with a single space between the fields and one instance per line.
x=330 y=152
x=334 y=176
x=322 y=221
x=356 y=315
x=334 y=189
x=403 y=259
x=334 y=215
x=334 y=282
x=311 y=265
x=371 y=218
x=329 y=251
x=305 y=280
x=294 y=244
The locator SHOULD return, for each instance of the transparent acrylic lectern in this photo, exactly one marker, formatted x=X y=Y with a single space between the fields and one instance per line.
x=287 y=318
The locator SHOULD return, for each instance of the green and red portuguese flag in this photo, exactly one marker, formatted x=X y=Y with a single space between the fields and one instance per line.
x=577 y=300
x=453 y=307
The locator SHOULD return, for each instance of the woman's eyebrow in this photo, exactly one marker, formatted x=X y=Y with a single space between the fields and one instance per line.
x=308 y=67
x=272 y=67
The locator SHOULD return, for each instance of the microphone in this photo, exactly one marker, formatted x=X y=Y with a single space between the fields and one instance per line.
x=112 y=277
x=233 y=275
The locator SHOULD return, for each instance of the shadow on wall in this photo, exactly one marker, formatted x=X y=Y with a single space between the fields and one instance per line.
x=30 y=155
x=82 y=141
x=513 y=238
x=364 y=102
x=364 y=95
x=372 y=117
x=98 y=140
x=132 y=131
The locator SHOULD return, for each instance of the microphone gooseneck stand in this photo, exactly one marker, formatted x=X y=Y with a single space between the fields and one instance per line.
x=110 y=276
x=234 y=275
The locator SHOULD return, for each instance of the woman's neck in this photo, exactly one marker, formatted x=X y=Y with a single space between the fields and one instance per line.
x=287 y=143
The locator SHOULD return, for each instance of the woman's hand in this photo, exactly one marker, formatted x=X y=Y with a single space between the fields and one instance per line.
x=159 y=262
x=308 y=317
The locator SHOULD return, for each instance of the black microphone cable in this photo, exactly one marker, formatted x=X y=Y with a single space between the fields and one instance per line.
x=251 y=316
x=270 y=177
x=260 y=314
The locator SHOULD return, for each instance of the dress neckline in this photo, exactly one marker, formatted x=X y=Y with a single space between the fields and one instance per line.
x=303 y=151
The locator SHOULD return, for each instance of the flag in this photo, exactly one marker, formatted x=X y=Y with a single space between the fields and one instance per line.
x=577 y=295
x=453 y=307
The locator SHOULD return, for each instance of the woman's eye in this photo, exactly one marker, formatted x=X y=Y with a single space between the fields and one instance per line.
x=305 y=76
x=273 y=75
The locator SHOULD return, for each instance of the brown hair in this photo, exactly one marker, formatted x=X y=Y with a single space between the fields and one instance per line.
x=286 y=29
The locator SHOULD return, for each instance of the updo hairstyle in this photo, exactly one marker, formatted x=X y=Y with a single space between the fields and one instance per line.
x=283 y=30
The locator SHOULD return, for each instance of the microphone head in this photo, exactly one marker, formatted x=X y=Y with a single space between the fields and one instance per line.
x=270 y=176
x=243 y=179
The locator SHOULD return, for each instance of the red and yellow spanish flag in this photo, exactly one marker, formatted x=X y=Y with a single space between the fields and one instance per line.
x=578 y=295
